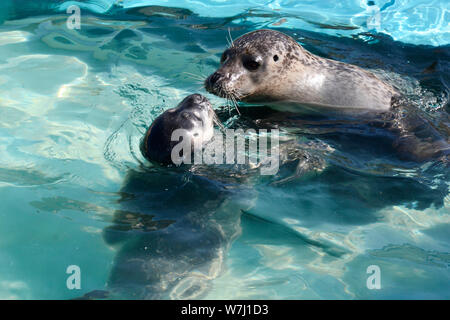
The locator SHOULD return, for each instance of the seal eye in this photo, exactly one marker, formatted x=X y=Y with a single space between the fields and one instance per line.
x=275 y=58
x=251 y=65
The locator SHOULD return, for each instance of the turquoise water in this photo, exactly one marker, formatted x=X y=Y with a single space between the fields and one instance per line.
x=75 y=103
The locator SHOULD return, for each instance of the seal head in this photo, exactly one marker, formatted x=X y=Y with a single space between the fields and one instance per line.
x=194 y=114
x=267 y=66
x=250 y=67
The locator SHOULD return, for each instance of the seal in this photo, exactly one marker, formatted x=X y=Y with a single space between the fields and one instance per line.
x=267 y=66
x=194 y=114
x=174 y=226
x=271 y=68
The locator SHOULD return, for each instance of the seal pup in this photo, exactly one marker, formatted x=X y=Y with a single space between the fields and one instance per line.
x=176 y=224
x=267 y=66
x=194 y=114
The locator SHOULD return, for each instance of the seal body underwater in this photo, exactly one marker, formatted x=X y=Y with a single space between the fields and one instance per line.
x=171 y=234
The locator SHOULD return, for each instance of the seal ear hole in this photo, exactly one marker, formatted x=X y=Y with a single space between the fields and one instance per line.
x=275 y=58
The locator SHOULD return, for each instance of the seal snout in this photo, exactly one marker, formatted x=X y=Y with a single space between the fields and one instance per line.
x=212 y=83
x=202 y=101
x=212 y=79
x=195 y=100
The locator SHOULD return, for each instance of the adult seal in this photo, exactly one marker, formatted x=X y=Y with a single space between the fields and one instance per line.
x=267 y=66
x=194 y=115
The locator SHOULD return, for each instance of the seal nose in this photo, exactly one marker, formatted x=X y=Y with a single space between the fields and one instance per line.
x=197 y=98
x=212 y=80
x=198 y=101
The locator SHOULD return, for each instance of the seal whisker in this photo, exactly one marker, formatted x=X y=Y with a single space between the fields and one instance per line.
x=199 y=82
x=217 y=121
x=228 y=100
x=229 y=104
x=233 y=98
x=231 y=38
x=236 y=106
x=195 y=76
x=228 y=43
